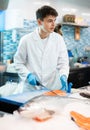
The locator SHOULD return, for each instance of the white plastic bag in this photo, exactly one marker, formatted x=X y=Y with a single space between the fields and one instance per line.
x=11 y=88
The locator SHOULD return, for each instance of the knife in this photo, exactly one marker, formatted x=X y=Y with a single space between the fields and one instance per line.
x=44 y=87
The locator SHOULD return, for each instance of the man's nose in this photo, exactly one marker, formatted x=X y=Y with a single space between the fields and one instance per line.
x=53 y=23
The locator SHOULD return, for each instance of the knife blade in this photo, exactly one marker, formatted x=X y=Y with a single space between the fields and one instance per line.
x=44 y=87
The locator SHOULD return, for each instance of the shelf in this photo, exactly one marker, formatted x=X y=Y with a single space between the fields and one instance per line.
x=74 y=24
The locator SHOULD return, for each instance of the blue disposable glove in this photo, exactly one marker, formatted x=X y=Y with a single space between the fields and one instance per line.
x=69 y=87
x=32 y=79
x=64 y=83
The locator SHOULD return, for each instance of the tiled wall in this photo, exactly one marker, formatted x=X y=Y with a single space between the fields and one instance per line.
x=11 y=40
x=10 y=45
x=72 y=44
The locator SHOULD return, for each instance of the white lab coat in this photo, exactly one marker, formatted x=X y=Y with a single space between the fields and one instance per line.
x=47 y=63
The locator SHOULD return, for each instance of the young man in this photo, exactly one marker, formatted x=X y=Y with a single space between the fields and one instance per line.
x=42 y=55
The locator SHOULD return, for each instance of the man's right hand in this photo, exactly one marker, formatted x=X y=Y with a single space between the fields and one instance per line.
x=32 y=79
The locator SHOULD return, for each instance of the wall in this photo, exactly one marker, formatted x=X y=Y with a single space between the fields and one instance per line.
x=72 y=44
x=28 y=7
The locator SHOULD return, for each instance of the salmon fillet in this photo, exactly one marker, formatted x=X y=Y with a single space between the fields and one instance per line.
x=55 y=92
x=80 y=120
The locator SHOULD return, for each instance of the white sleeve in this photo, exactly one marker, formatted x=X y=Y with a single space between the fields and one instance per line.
x=20 y=60
x=63 y=59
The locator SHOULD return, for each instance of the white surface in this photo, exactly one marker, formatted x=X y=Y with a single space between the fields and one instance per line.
x=13 y=19
x=24 y=97
x=15 y=123
x=76 y=95
x=10 y=88
x=60 y=120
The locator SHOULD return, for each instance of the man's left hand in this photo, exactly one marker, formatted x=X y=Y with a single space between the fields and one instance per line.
x=64 y=83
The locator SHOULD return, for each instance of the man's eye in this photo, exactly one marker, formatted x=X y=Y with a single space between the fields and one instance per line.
x=50 y=21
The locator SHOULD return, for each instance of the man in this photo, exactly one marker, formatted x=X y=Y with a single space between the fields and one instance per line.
x=42 y=55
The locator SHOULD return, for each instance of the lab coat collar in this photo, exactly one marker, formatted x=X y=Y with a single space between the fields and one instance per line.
x=36 y=35
x=37 y=38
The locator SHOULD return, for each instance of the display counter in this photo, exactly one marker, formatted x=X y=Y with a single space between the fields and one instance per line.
x=59 y=119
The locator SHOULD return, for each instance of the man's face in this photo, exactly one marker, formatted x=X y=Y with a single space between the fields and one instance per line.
x=48 y=24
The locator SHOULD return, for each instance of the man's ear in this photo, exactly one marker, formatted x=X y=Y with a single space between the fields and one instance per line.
x=39 y=22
